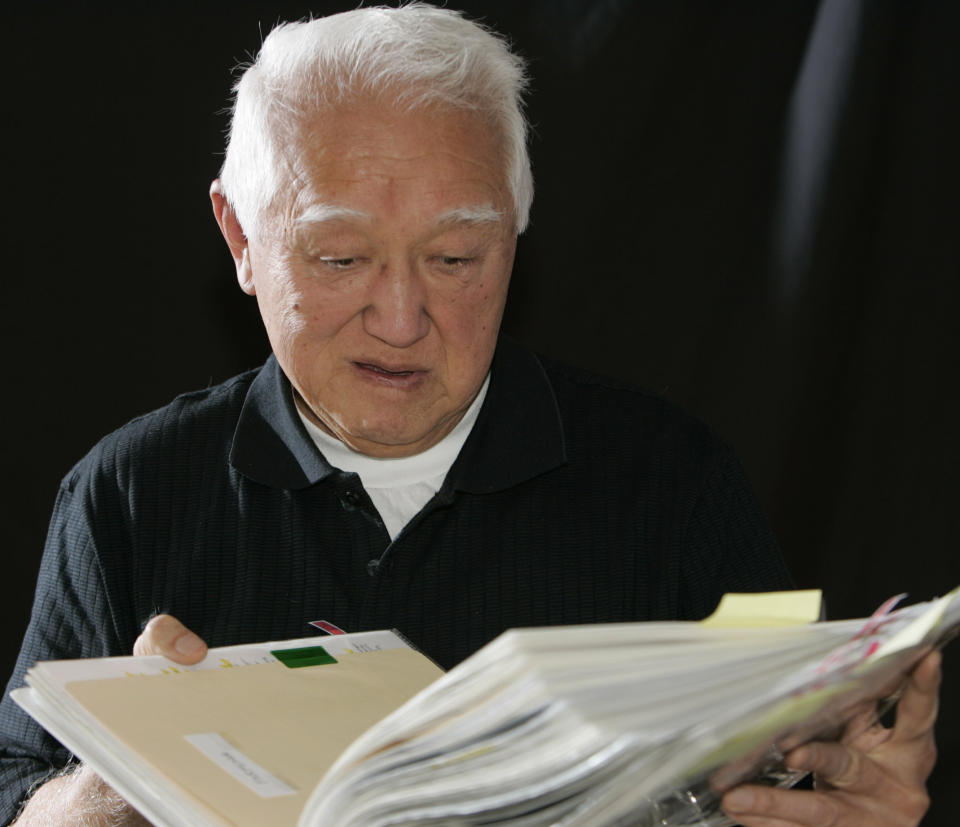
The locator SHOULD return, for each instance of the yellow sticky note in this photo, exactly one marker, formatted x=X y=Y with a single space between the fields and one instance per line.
x=791 y=608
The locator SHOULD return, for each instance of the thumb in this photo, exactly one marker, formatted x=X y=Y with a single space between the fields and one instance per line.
x=167 y=636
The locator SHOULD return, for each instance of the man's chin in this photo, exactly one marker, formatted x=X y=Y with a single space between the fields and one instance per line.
x=389 y=444
x=392 y=438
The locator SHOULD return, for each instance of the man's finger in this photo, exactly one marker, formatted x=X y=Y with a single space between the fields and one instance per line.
x=754 y=806
x=167 y=636
x=834 y=763
x=917 y=707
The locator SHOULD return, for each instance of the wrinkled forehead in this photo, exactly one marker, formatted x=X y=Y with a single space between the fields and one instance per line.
x=323 y=154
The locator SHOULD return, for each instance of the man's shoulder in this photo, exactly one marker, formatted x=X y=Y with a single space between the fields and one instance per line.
x=625 y=412
x=197 y=412
x=583 y=382
x=193 y=425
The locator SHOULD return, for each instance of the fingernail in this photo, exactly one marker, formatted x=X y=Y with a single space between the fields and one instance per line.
x=188 y=644
x=738 y=800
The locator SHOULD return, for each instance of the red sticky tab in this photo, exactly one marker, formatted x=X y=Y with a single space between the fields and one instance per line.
x=328 y=627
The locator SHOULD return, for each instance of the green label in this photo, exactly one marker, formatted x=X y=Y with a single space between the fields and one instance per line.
x=306 y=656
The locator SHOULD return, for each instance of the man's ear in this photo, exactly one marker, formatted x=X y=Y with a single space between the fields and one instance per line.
x=234 y=236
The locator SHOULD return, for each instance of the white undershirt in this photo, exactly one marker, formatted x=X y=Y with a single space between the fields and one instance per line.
x=400 y=487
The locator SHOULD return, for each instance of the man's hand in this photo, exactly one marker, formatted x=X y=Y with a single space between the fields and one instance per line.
x=877 y=778
x=81 y=798
x=165 y=635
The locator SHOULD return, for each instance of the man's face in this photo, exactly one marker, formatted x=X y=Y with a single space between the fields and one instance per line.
x=382 y=278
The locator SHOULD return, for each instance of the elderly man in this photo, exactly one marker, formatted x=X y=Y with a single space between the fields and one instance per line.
x=397 y=463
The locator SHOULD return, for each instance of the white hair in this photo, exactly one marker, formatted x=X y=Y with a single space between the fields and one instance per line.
x=417 y=54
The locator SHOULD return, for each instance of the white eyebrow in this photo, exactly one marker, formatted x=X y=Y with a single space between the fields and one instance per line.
x=481 y=214
x=322 y=213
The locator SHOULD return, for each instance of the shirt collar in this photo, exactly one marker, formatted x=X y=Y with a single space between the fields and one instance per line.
x=518 y=434
x=270 y=444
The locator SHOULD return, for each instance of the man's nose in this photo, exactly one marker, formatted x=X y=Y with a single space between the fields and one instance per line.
x=397 y=312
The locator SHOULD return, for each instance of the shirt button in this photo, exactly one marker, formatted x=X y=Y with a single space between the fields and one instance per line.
x=351 y=498
x=372 y=567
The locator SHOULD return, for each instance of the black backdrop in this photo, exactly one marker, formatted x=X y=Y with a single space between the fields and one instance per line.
x=750 y=208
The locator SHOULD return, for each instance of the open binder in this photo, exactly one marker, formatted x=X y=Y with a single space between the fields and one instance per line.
x=638 y=723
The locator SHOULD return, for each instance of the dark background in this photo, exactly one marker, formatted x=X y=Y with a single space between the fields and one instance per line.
x=750 y=208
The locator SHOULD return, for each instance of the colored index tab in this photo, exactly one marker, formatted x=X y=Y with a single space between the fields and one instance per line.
x=303 y=656
x=792 y=608
x=918 y=630
x=328 y=627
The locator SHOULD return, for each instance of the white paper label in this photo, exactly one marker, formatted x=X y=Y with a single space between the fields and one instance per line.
x=245 y=770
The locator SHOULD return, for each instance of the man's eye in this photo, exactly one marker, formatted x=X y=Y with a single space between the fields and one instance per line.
x=339 y=263
x=454 y=263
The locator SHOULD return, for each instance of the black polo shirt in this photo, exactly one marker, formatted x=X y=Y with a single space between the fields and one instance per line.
x=575 y=499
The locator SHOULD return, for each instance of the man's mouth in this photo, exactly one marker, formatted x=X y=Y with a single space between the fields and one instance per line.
x=384 y=371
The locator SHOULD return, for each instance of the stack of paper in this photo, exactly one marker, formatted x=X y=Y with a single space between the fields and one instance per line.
x=645 y=723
